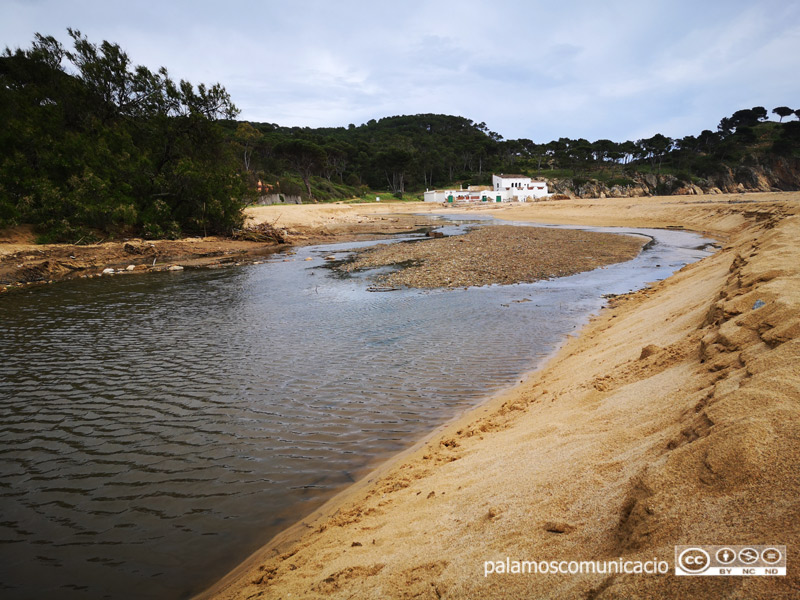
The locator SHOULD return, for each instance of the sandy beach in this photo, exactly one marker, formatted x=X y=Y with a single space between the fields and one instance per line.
x=673 y=418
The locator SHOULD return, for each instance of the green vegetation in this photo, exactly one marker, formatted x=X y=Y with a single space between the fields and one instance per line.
x=395 y=155
x=371 y=195
x=413 y=153
x=94 y=147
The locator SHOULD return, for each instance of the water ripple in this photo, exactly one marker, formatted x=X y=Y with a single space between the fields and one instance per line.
x=155 y=430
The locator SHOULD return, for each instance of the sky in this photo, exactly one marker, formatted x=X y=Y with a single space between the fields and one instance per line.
x=615 y=69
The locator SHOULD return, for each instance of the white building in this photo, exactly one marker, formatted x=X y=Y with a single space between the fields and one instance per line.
x=504 y=188
x=519 y=188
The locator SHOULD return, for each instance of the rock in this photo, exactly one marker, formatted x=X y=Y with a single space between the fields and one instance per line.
x=309 y=258
x=330 y=257
x=108 y=271
x=637 y=191
x=591 y=189
x=130 y=267
x=175 y=268
x=616 y=192
x=752 y=178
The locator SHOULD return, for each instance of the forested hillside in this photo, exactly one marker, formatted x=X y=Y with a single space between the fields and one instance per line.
x=411 y=153
x=94 y=147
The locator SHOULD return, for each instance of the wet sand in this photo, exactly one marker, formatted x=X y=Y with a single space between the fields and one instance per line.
x=673 y=418
x=502 y=254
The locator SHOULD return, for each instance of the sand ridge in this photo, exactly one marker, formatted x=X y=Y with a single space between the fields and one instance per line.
x=673 y=418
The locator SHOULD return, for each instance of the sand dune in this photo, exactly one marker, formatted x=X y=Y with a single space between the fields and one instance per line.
x=674 y=418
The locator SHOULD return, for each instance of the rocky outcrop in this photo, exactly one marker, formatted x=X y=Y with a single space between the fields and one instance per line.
x=778 y=174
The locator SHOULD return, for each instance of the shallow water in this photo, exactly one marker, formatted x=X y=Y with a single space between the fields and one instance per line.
x=155 y=430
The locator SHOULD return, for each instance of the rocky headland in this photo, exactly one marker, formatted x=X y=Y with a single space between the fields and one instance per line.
x=756 y=175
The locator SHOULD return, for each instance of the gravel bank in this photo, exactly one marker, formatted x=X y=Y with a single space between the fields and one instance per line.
x=502 y=254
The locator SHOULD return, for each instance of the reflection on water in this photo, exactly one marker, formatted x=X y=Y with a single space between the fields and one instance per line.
x=154 y=430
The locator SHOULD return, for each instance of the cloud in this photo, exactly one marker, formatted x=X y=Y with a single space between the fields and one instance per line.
x=540 y=70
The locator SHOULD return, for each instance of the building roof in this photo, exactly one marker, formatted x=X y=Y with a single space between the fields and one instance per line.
x=510 y=176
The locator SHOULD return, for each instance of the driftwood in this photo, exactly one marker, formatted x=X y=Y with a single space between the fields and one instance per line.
x=263 y=232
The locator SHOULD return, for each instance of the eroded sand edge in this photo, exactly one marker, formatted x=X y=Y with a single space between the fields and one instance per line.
x=674 y=418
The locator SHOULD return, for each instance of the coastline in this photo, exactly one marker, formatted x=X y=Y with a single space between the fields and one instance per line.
x=616 y=447
x=24 y=263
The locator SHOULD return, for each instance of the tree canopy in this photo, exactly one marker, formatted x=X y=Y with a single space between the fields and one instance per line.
x=410 y=153
x=93 y=145
x=782 y=111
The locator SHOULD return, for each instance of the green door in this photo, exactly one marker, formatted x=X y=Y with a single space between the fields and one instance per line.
x=498 y=199
x=450 y=198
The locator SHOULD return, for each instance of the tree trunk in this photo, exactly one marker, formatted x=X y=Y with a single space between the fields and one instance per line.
x=307 y=181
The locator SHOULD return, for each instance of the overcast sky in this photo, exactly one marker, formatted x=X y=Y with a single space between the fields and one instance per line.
x=612 y=69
